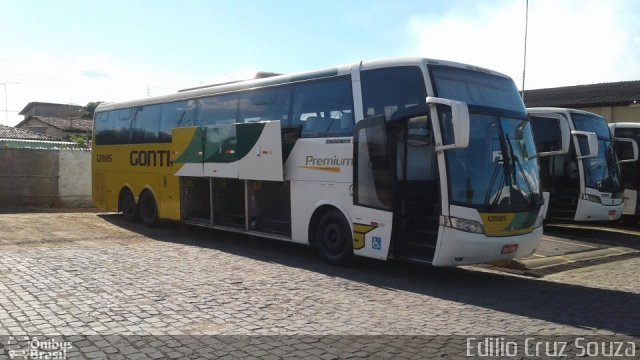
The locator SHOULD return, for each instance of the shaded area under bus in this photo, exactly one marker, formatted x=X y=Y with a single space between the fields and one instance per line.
x=578 y=306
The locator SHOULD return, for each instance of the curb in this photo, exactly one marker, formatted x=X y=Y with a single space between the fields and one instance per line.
x=545 y=262
x=594 y=232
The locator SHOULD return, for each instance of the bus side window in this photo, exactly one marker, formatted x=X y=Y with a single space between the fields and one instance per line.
x=105 y=132
x=174 y=115
x=384 y=91
x=221 y=109
x=546 y=133
x=324 y=108
x=265 y=104
x=122 y=124
x=146 y=125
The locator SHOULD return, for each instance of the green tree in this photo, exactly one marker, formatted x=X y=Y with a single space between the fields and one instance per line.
x=87 y=111
x=81 y=140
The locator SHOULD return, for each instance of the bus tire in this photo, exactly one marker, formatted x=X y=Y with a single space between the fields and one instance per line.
x=127 y=205
x=148 y=209
x=333 y=238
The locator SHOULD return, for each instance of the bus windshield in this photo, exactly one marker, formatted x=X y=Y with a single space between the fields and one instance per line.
x=602 y=171
x=478 y=89
x=499 y=170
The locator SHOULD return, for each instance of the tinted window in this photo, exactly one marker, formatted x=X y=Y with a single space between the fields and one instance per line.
x=122 y=124
x=373 y=176
x=176 y=114
x=547 y=133
x=146 y=125
x=104 y=133
x=265 y=104
x=324 y=108
x=221 y=109
x=627 y=133
x=592 y=123
x=476 y=88
x=384 y=91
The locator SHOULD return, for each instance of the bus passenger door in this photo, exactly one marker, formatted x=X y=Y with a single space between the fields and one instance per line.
x=372 y=190
x=552 y=136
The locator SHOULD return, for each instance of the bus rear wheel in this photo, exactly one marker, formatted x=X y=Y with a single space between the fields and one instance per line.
x=127 y=205
x=148 y=209
x=333 y=238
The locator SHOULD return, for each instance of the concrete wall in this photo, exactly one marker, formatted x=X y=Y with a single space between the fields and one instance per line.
x=45 y=177
x=74 y=179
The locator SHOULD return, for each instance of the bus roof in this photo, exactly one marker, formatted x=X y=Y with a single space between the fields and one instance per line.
x=629 y=125
x=199 y=92
x=566 y=111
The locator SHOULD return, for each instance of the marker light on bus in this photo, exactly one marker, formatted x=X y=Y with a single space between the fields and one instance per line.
x=471 y=226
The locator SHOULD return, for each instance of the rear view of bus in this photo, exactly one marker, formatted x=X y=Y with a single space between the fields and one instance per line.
x=583 y=181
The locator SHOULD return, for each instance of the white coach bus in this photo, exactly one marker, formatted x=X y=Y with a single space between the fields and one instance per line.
x=414 y=159
x=581 y=180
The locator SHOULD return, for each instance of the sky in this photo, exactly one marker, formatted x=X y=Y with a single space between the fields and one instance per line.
x=78 y=51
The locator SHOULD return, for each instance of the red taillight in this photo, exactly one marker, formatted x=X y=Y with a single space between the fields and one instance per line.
x=509 y=248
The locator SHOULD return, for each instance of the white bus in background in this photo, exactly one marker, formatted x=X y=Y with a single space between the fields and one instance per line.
x=630 y=132
x=578 y=164
x=415 y=159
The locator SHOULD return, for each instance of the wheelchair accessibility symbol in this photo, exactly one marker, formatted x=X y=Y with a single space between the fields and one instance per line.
x=376 y=243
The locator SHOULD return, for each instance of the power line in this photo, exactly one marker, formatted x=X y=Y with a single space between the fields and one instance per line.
x=6 y=99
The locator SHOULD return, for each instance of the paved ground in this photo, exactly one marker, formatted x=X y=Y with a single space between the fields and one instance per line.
x=93 y=275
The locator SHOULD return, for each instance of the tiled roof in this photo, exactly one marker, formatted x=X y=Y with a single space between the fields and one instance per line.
x=604 y=94
x=75 y=124
x=36 y=103
x=8 y=132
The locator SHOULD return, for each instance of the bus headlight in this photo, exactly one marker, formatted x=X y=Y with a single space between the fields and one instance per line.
x=592 y=198
x=466 y=225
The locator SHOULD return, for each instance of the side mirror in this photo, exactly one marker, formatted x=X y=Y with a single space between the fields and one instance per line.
x=634 y=146
x=592 y=140
x=458 y=125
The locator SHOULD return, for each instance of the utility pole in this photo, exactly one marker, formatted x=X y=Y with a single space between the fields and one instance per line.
x=526 y=26
x=6 y=99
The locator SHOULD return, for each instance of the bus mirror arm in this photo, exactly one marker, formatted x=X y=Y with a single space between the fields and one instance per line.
x=634 y=145
x=460 y=122
x=592 y=140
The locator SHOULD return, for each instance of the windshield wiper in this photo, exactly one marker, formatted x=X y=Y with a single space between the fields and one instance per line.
x=518 y=165
x=494 y=176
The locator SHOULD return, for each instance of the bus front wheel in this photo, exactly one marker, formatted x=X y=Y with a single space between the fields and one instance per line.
x=333 y=238
x=148 y=209
x=127 y=205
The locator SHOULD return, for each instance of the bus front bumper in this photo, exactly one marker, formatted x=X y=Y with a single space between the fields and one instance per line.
x=592 y=211
x=457 y=247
